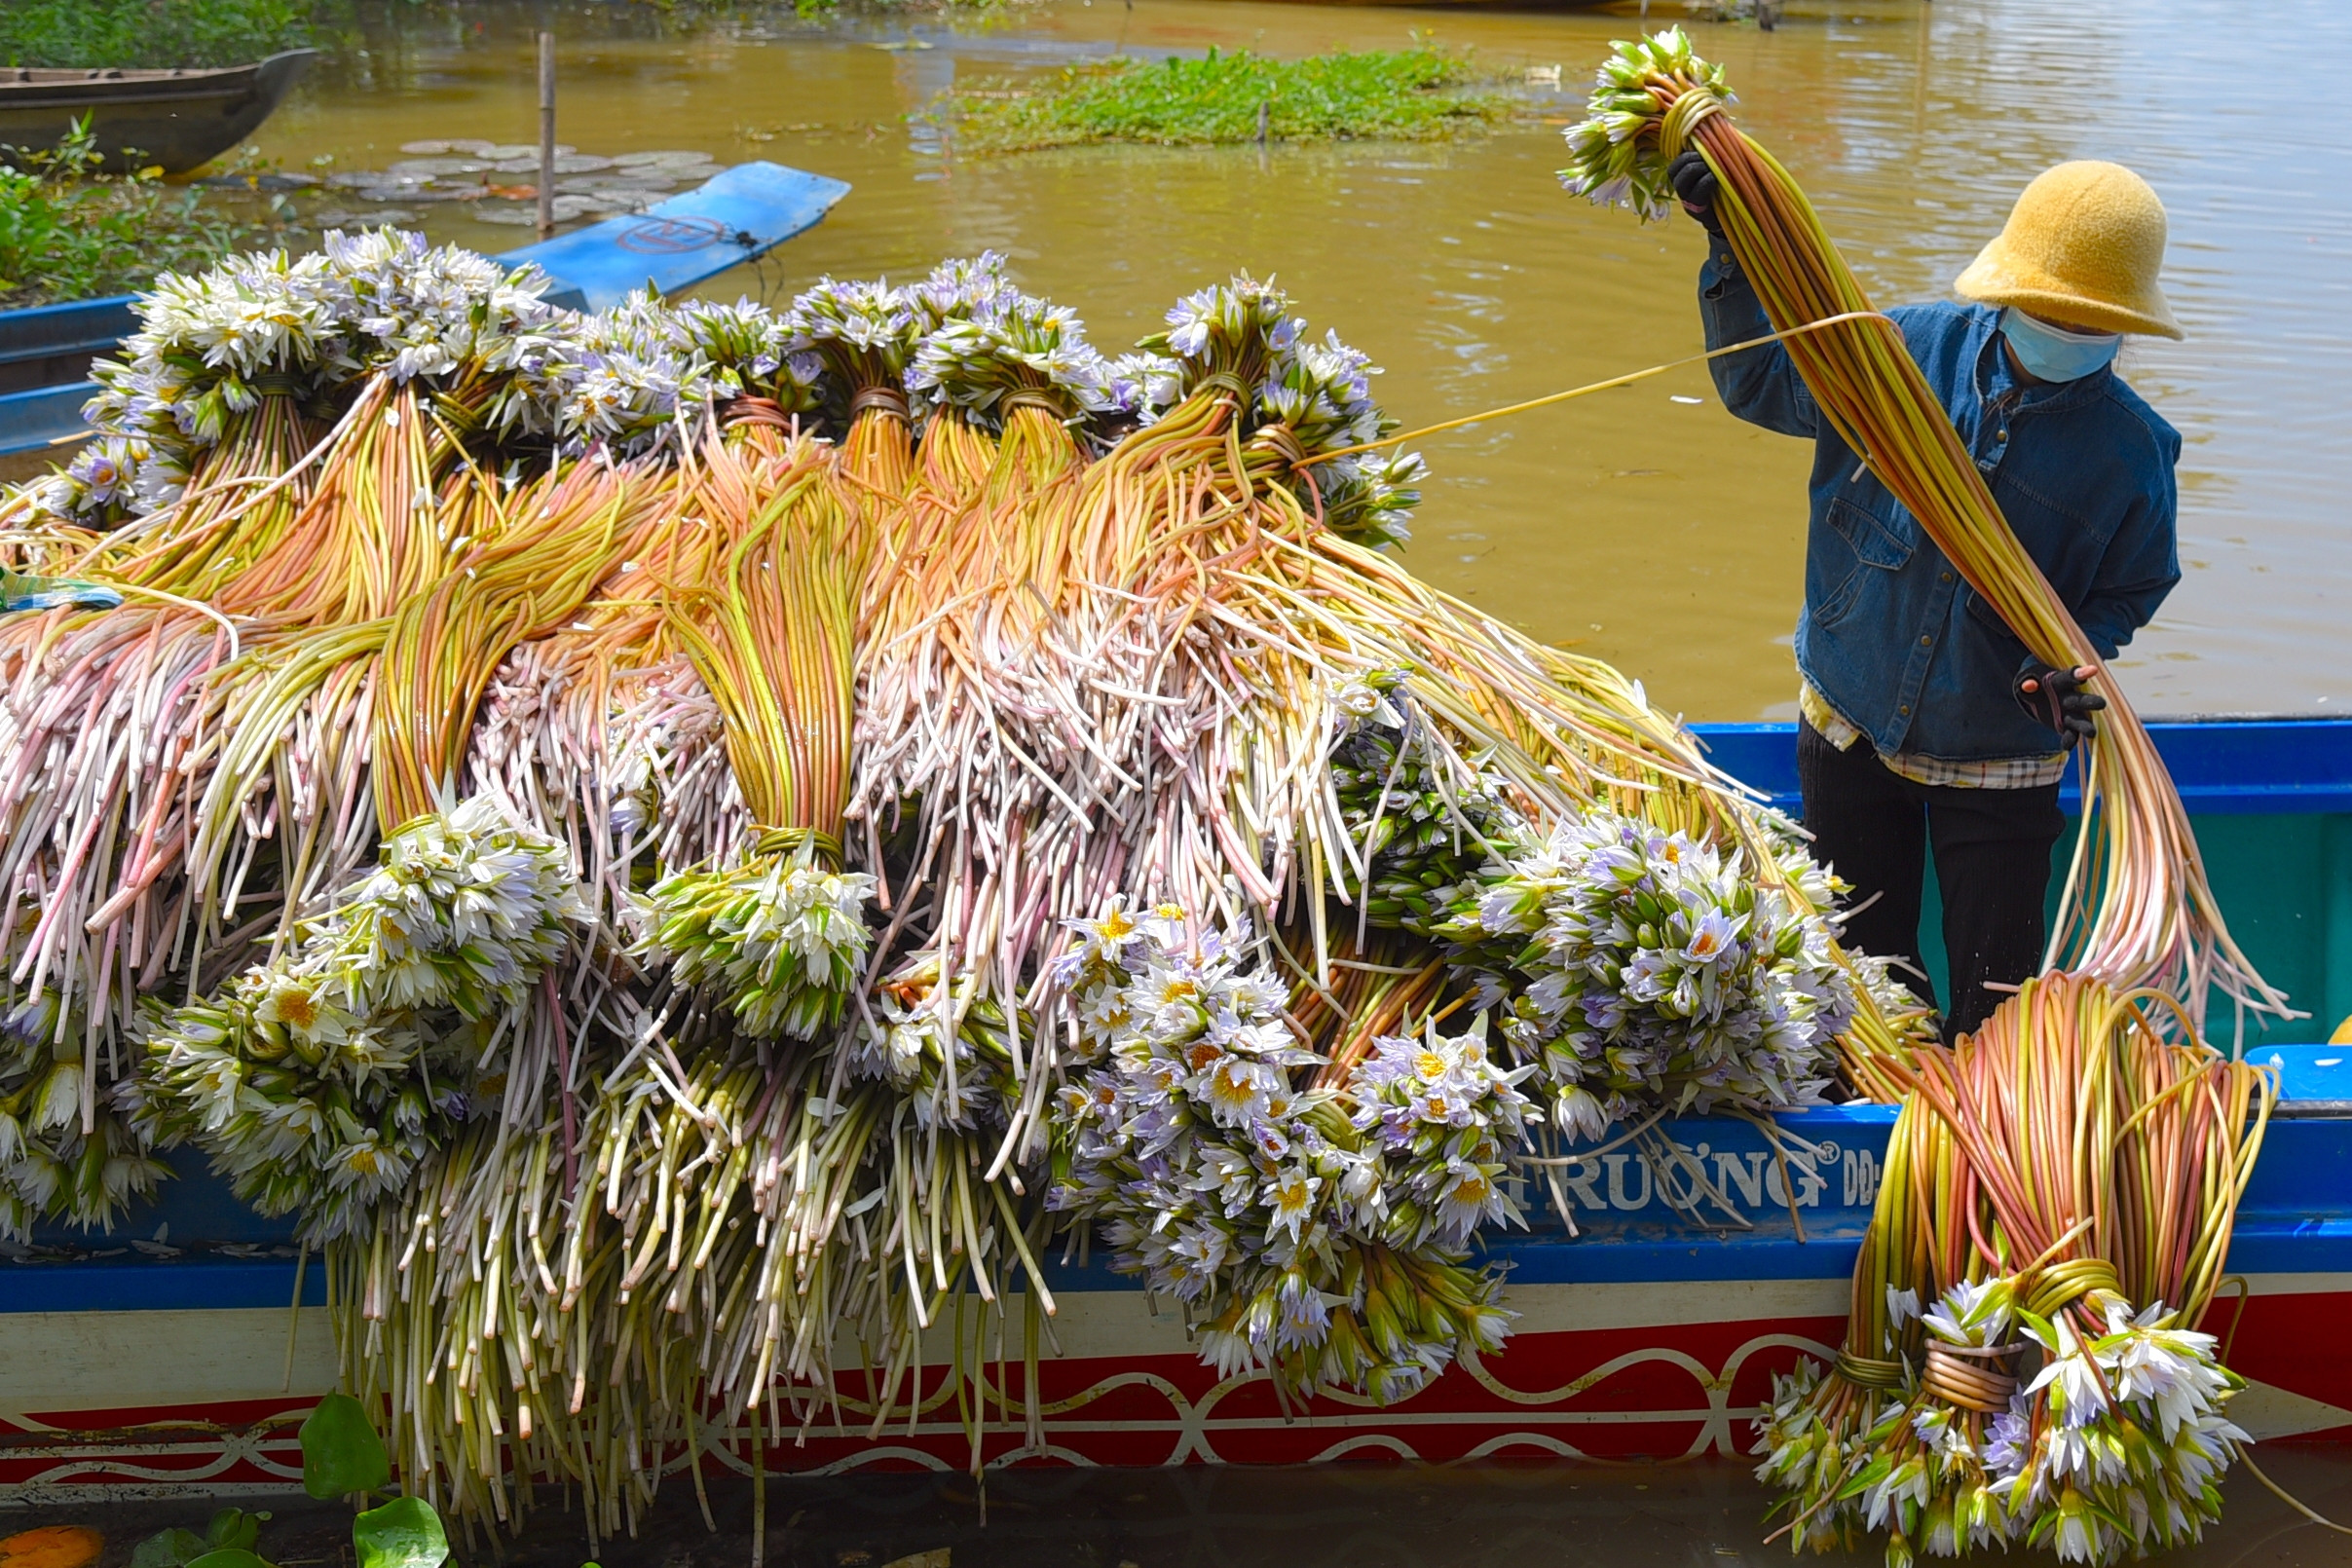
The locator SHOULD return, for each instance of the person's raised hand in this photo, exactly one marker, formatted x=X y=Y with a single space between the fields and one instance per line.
x=2055 y=697
x=1696 y=183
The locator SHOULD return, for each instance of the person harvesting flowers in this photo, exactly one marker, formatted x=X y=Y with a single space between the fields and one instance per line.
x=1924 y=719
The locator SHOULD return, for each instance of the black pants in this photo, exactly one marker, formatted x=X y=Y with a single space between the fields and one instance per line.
x=1872 y=826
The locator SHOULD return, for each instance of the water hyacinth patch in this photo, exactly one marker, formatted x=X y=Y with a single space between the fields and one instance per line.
x=1638 y=966
x=1314 y=1233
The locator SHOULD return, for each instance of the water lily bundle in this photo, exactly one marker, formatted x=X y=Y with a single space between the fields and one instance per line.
x=2074 y=1213
x=320 y=1081
x=864 y=334
x=782 y=930
x=2138 y=909
x=1657 y=971
x=152 y=830
x=1633 y=967
x=1318 y=1233
x=636 y=828
x=312 y=1077
x=60 y=1156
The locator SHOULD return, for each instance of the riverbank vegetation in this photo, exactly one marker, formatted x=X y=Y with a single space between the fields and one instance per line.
x=67 y=232
x=133 y=34
x=1420 y=93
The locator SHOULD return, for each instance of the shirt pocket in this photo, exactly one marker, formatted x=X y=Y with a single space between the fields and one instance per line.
x=1880 y=541
x=1877 y=543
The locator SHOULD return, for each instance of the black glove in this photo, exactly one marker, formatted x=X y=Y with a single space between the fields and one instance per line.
x=1696 y=183
x=2055 y=697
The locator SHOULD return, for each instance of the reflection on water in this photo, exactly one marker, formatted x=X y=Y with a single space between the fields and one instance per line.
x=1639 y=525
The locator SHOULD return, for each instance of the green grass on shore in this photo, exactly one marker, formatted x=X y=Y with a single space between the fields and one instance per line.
x=143 y=33
x=67 y=232
x=1420 y=93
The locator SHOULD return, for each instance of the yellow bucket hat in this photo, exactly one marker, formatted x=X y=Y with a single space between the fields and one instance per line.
x=2082 y=247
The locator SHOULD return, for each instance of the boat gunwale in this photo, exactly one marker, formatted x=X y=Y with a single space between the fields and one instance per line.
x=23 y=88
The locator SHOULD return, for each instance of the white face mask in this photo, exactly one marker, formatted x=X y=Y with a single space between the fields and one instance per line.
x=2052 y=353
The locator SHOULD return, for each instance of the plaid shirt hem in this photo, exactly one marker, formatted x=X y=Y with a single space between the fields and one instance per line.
x=1998 y=773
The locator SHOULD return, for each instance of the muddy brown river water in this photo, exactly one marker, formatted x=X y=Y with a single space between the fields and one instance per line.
x=1645 y=525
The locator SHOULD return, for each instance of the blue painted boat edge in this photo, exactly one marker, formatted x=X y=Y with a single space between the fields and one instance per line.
x=2261 y=1246
x=2221 y=765
x=77 y=326
x=43 y=417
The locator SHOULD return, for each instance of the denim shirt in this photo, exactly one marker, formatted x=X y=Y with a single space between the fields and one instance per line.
x=1889 y=635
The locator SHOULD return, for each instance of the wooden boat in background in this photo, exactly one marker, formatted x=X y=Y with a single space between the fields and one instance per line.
x=176 y=120
x=156 y=1363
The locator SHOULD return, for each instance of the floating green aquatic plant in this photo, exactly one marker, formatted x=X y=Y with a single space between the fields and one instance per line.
x=1421 y=94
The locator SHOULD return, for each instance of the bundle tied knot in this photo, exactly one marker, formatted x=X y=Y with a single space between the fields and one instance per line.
x=765 y=411
x=780 y=841
x=1037 y=397
x=886 y=399
x=2061 y=1285
x=458 y=417
x=1682 y=118
x=1974 y=1377
x=1865 y=1371
x=1282 y=441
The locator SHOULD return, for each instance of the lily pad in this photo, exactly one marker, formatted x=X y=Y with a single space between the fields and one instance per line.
x=405 y=1533
x=169 y=1548
x=437 y=168
x=341 y=1452
x=661 y=160
x=229 y=1557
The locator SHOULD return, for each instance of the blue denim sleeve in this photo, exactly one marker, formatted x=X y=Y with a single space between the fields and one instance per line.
x=2139 y=568
x=1761 y=385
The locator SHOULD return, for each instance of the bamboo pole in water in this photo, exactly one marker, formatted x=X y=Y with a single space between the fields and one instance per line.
x=547 y=135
